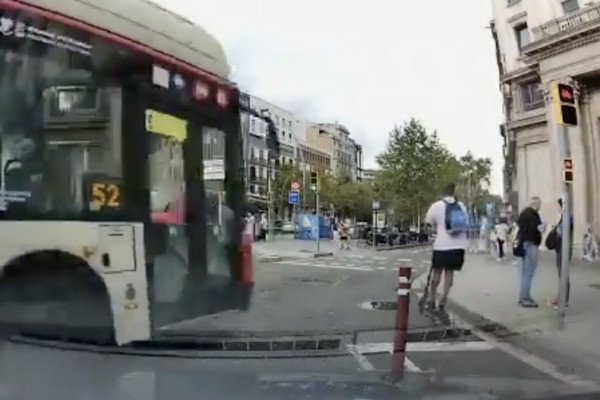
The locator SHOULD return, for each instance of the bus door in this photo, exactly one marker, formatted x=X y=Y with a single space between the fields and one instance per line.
x=190 y=262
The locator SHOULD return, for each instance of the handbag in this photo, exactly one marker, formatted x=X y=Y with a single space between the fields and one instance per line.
x=552 y=240
x=519 y=249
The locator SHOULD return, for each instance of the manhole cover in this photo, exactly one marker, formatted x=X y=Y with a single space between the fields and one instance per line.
x=378 y=305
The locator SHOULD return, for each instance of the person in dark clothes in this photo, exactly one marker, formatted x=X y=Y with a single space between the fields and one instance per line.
x=530 y=234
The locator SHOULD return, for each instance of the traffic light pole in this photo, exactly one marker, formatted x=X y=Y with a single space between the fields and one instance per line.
x=565 y=152
x=564 y=111
x=318 y=212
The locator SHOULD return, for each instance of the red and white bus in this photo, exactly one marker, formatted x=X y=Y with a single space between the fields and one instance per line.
x=109 y=112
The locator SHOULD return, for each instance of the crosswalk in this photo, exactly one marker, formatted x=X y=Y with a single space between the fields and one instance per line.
x=356 y=262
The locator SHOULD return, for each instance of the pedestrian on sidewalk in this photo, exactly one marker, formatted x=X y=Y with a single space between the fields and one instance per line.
x=530 y=236
x=450 y=219
x=501 y=230
x=264 y=227
x=343 y=231
x=513 y=235
x=558 y=249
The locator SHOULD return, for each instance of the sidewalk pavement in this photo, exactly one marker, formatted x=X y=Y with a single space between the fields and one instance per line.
x=489 y=289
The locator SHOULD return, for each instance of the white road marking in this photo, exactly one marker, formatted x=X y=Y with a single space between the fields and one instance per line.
x=372 y=348
x=360 y=359
x=326 y=266
x=366 y=365
x=378 y=258
x=404 y=259
x=410 y=366
x=533 y=361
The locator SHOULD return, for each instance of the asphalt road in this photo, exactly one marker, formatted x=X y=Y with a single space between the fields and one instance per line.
x=319 y=296
x=301 y=298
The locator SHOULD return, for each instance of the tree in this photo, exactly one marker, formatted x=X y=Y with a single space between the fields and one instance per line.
x=414 y=168
x=475 y=180
x=280 y=187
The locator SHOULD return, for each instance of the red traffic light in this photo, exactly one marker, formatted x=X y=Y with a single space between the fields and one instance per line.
x=566 y=93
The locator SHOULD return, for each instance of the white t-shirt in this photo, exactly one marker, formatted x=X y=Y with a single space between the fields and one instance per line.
x=436 y=216
x=502 y=231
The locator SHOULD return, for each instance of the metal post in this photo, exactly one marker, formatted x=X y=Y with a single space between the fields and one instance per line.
x=375 y=231
x=303 y=188
x=401 y=325
x=318 y=212
x=565 y=152
x=270 y=204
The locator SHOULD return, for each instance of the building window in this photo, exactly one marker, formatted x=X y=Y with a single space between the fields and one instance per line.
x=570 y=6
x=532 y=96
x=522 y=34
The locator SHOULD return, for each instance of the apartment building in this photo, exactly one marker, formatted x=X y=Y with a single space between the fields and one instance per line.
x=539 y=42
x=334 y=139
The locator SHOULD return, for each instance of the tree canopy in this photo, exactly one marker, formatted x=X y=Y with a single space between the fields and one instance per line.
x=416 y=166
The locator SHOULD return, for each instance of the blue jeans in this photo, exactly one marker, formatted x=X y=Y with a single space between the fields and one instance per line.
x=528 y=267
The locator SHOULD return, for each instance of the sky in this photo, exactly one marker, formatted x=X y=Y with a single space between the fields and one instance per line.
x=369 y=65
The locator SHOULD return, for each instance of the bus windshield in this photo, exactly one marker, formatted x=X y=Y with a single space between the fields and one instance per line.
x=60 y=122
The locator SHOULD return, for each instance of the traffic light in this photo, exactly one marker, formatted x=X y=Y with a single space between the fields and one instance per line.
x=314 y=178
x=563 y=104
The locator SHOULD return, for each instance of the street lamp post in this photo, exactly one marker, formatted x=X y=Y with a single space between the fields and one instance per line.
x=269 y=198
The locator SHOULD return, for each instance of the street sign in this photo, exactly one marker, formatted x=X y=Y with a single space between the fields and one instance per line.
x=295 y=186
x=293 y=197
x=376 y=205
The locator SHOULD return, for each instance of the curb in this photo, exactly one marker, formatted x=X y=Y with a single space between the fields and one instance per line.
x=406 y=246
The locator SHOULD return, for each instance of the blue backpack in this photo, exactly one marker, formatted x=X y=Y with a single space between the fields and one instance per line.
x=457 y=220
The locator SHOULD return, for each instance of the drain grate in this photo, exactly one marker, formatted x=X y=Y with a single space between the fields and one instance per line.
x=248 y=345
x=196 y=344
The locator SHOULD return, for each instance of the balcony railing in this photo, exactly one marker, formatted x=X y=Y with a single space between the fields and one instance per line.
x=572 y=21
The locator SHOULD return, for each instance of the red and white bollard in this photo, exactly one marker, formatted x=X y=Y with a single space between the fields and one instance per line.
x=401 y=327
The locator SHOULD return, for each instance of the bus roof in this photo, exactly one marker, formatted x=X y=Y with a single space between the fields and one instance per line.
x=146 y=23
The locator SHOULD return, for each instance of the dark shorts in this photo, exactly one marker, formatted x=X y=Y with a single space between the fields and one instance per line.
x=448 y=259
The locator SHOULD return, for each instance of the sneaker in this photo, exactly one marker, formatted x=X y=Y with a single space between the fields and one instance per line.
x=528 y=303
x=430 y=305
x=441 y=308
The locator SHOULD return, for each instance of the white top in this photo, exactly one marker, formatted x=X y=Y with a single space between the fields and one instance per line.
x=502 y=231
x=436 y=216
